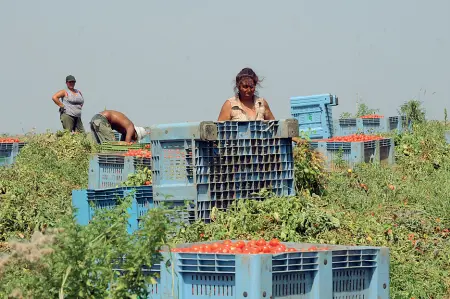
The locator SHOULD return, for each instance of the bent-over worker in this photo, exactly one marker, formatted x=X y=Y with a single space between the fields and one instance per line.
x=103 y=124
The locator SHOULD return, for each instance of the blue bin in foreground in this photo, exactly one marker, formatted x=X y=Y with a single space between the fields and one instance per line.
x=338 y=272
x=88 y=201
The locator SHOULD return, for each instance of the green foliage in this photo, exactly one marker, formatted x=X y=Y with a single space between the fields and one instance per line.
x=404 y=207
x=84 y=262
x=309 y=174
x=37 y=189
x=363 y=109
x=345 y=115
x=140 y=178
x=295 y=219
x=413 y=111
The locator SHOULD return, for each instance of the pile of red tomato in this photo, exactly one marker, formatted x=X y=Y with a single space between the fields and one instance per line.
x=354 y=138
x=260 y=246
x=139 y=153
x=372 y=116
x=9 y=140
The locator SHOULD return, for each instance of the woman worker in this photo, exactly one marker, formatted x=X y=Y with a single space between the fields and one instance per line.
x=246 y=105
x=70 y=101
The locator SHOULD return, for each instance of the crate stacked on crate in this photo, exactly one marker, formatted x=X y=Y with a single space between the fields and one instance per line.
x=354 y=149
x=370 y=124
x=9 y=149
x=305 y=271
x=107 y=173
x=88 y=201
x=314 y=114
x=213 y=164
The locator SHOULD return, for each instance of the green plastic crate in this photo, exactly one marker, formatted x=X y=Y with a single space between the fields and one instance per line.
x=119 y=146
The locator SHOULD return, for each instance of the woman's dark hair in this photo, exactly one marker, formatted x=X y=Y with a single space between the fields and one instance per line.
x=246 y=73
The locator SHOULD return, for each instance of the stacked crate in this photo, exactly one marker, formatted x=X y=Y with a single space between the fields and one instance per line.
x=314 y=114
x=107 y=171
x=211 y=164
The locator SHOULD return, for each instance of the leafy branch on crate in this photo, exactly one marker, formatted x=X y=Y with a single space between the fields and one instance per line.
x=141 y=177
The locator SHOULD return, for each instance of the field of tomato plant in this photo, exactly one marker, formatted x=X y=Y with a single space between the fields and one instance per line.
x=45 y=254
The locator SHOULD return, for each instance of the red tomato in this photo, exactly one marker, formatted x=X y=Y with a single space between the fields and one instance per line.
x=227 y=242
x=261 y=242
x=251 y=243
x=274 y=242
x=254 y=250
x=240 y=244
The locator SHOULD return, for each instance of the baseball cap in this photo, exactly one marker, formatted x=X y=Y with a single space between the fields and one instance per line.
x=70 y=78
x=140 y=132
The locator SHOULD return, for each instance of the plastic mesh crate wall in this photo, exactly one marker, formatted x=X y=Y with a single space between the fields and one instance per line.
x=87 y=201
x=356 y=152
x=109 y=170
x=8 y=153
x=344 y=127
x=342 y=272
x=339 y=273
x=215 y=173
x=314 y=114
x=241 y=168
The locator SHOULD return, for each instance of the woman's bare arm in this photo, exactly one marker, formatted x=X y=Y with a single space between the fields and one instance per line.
x=225 y=112
x=268 y=114
x=60 y=94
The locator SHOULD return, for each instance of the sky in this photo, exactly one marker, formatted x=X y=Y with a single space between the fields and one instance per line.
x=175 y=61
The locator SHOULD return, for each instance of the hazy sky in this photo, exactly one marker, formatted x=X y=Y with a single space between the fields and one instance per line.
x=174 y=61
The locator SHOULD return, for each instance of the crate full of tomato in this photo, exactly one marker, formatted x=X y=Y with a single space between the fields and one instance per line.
x=271 y=269
x=370 y=124
x=9 y=149
x=108 y=170
x=348 y=151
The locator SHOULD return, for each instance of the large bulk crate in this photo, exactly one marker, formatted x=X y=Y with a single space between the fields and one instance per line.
x=340 y=272
x=213 y=164
x=314 y=114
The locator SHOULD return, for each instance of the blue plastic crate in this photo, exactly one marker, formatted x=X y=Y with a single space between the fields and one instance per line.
x=447 y=136
x=110 y=170
x=233 y=130
x=353 y=153
x=214 y=174
x=117 y=136
x=341 y=272
x=232 y=164
x=314 y=114
x=344 y=127
x=88 y=201
x=8 y=153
